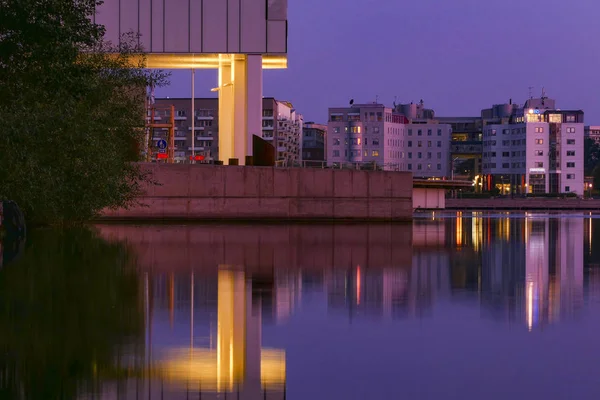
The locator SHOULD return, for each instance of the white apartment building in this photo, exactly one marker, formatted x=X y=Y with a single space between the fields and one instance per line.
x=375 y=134
x=428 y=150
x=287 y=133
x=538 y=150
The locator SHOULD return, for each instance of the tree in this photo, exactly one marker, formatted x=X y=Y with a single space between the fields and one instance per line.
x=71 y=111
x=71 y=305
x=591 y=155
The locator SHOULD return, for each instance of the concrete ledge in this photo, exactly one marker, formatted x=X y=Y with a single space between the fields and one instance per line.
x=202 y=192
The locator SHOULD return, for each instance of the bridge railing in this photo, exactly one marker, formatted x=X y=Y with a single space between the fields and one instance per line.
x=361 y=166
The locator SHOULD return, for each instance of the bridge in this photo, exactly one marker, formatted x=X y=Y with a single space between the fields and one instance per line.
x=431 y=194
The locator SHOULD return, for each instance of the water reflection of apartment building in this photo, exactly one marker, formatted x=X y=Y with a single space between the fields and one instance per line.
x=390 y=292
x=534 y=274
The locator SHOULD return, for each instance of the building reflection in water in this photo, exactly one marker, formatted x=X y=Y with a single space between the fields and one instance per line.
x=212 y=288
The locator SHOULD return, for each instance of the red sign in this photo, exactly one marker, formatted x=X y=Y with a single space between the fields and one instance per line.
x=161 y=156
x=197 y=157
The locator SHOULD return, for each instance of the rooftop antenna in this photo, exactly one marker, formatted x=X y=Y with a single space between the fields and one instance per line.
x=531 y=92
x=395 y=98
x=543 y=93
x=376 y=99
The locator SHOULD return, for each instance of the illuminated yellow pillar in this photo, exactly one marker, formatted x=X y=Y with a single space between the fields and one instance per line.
x=240 y=104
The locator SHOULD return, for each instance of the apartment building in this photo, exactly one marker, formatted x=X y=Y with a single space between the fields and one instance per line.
x=281 y=125
x=366 y=133
x=376 y=134
x=206 y=127
x=428 y=149
x=313 y=142
x=536 y=149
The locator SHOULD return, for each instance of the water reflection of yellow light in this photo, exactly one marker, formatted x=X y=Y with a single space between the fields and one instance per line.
x=476 y=230
x=590 y=233
x=459 y=228
x=529 y=305
x=221 y=368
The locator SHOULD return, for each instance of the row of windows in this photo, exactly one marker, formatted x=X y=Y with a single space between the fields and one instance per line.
x=429 y=132
x=516 y=131
x=356 y=153
x=491 y=154
x=371 y=116
x=355 y=141
x=420 y=155
x=355 y=129
x=427 y=167
x=420 y=143
x=538 y=164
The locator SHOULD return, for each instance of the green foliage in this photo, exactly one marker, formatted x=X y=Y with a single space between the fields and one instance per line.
x=591 y=155
x=69 y=307
x=71 y=108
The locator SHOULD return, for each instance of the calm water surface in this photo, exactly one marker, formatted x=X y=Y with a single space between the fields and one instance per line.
x=467 y=306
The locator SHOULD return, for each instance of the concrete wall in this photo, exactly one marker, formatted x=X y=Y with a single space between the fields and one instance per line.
x=431 y=199
x=206 y=192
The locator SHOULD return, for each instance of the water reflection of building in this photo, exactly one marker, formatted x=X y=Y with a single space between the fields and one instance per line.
x=395 y=291
x=534 y=273
x=204 y=339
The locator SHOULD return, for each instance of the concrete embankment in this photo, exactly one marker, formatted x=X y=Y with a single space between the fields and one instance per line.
x=524 y=204
x=202 y=192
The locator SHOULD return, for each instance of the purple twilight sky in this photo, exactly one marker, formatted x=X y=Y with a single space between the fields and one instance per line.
x=459 y=56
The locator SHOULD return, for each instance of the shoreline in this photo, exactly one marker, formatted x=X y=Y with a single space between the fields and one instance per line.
x=520 y=204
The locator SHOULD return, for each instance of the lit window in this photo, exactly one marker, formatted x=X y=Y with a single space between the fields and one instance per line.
x=539 y=141
x=375 y=153
x=539 y=152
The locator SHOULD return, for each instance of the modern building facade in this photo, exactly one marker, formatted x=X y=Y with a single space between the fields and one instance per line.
x=314 y=143
x=377 y=135
x=534 y=149
x=466 y=146
x=237 y=38
x=282 y=127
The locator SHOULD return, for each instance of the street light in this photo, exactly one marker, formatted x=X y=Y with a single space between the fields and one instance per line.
x=452 y=167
